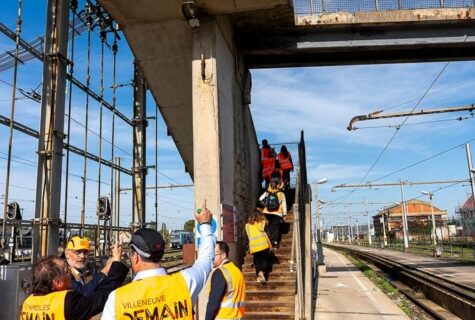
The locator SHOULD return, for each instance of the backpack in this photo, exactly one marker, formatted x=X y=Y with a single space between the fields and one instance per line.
x=272 y=201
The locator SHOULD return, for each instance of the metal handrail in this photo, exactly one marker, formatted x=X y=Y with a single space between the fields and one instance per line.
x=299 y=258
x=297 y=248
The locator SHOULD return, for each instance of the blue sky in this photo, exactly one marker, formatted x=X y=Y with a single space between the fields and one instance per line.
x=320 y=101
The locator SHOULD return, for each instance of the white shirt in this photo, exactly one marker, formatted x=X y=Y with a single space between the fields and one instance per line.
x=195 y=276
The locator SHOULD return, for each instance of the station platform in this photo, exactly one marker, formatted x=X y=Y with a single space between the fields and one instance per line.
x=345 y=293
x=462 y=272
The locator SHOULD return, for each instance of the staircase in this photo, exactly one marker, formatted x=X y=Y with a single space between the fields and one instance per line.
x=276 y=298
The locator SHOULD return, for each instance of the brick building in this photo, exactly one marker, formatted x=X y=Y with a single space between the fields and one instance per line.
x=467 y=217
x=419 y=220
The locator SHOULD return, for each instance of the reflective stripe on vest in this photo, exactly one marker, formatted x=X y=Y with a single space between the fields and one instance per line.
x=158 y=297
x=284 y=162
x=258 y=239
x=50 y=306
x=268 y=166
x=232 y=305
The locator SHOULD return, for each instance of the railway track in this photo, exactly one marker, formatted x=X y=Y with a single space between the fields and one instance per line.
x=451 y=296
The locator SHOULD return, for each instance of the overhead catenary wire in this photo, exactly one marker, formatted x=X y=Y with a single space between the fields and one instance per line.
x=173 y=180
x=103 y=139
x=34 y=165
x=172 y=203
x=397 y=131
x=429 y=94
x=425 y=159
x=171 y=198
x=70 y=126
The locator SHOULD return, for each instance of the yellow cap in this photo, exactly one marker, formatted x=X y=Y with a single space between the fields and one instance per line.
x=78 y=243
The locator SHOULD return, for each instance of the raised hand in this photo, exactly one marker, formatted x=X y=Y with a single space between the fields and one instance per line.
x=116 y=250
x=205 y=216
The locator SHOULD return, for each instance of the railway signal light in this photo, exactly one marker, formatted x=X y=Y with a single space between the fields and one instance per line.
x=13 y=211
x=103 y=208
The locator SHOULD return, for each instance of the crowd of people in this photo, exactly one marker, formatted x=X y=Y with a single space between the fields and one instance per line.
x=264 y=227
x=59 y=290
x=273 y=165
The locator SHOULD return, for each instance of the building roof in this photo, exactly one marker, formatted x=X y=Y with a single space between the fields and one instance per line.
x=469 y=204
x=413 y=208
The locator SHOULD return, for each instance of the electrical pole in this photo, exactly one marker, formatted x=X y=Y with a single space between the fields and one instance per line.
x=470 y=168
x=404 y=218
x=434 y=231
x=369 y=230
x=357 y=230
x=349 y=224
x=317 y=229
x=385 y=240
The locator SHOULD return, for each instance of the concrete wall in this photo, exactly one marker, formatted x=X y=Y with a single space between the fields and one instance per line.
x=226 y=164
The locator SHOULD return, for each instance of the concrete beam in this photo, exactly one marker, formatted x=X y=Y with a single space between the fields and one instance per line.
x=161 y=40
x=393 y=16
x=316 y=46
x=129 y=12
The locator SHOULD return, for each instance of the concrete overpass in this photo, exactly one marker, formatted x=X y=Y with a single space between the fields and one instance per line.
x=201 y=82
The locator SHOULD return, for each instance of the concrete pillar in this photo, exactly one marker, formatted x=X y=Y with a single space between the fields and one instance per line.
x=225 y=149
x=224 y=141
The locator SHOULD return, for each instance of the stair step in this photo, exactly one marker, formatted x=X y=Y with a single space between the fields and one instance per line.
x=270 y=316
x=274 y=295
x=251 y=276
x=287 y=285
x=275 y=299
x=259 y=306
x=275 y=267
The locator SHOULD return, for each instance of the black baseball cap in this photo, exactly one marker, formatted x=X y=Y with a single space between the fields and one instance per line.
x=148 y=243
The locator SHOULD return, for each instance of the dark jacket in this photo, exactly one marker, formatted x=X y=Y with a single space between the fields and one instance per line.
x=87 y=289
x=81 y=307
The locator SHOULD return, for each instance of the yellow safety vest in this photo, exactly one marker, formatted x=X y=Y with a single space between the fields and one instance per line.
x=159 y=297
x=232 y=305
x=49 y=306
x=258 y=239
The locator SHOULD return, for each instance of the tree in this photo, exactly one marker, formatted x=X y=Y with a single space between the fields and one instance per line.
x=189 y=225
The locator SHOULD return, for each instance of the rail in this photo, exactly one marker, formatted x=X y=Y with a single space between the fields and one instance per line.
x=311 y=7
x=463 y=251
x=301 y=240
x=450 y=295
